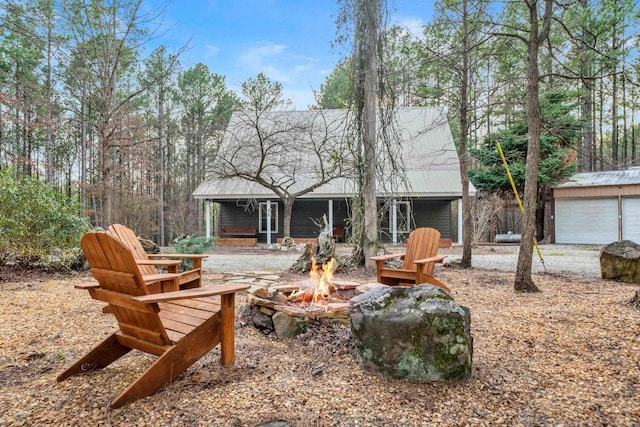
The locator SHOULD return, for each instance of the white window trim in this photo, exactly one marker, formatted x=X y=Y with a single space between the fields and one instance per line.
x=407 y=228
x=262 y=207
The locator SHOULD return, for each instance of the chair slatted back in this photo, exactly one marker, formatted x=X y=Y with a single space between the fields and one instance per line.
x=422 y=243
x=117 y=273
x=130 y=240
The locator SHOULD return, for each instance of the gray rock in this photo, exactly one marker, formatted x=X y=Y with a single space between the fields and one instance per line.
x=245 y=311
x=149 y=245
x=289 y=326
x=621 y=261
x=418 y=333
x=260 y=320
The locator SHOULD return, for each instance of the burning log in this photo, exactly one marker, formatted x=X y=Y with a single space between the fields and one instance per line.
x=319 y=286
x=301 y=296
x=322 y=250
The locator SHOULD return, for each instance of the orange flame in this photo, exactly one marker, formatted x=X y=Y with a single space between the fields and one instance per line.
x=323 y=289
x=324 y=285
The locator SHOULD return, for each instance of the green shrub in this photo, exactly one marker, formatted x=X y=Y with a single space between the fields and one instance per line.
x=193 y=245
x=35 y=220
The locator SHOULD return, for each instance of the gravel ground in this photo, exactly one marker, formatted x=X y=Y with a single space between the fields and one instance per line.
x=583 y=260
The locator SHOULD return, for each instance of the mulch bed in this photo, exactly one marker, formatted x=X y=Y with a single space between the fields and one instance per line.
x=566 y=356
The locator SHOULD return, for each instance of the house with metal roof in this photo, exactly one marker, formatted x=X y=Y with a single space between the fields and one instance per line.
x=598 y=207
x=420 y=194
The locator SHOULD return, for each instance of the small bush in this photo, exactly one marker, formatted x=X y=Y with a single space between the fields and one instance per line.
x=35 y=220
x=193 y=245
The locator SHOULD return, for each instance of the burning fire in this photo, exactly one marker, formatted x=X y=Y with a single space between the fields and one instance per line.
x=321 y=285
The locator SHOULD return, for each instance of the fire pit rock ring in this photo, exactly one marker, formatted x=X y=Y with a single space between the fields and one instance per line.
x=287 y=308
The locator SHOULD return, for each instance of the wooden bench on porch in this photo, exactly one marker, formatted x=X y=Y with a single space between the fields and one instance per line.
x=239 y=235
x=239 y=230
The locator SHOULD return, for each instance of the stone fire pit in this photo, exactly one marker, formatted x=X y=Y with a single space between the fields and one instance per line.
x=269 y=308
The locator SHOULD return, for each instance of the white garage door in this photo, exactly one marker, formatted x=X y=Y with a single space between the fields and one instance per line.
x=631 y=218
x=588 y=221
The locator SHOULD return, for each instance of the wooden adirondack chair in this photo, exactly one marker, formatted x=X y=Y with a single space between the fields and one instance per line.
x=180 y=327
x=418 y=261
x=148 y=262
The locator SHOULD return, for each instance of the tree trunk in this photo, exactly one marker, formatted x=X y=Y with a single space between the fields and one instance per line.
x=625 y=152
x=369 y=135
x=467 y=232
x=288 y=209
x=585 y=100
x=633 y=133
x=540 y=211
x=523 y=281
x=161 y=144
x=83 y=154
x=614 y=103
x=49 y=114
x=601 y=124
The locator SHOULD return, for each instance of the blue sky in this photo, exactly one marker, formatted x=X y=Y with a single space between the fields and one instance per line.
x=290 y=41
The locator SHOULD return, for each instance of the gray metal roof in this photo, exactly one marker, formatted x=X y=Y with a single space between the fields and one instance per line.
x=427 y=150
x=594 y=179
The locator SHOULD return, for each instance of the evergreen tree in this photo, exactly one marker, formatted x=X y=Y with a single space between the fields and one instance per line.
x=560 y=133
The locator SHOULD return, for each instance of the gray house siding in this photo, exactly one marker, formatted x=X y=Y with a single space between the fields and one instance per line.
x=301 y=224
x=304 y=211
x=232 y=214
x=435 y=214
x=425 y=213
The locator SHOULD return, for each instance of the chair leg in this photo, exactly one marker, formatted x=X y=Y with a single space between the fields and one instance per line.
x=104 y=354
x=433 y=281
x=173 y=362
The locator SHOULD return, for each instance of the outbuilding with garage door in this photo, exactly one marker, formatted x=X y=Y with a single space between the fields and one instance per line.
x=597 y=208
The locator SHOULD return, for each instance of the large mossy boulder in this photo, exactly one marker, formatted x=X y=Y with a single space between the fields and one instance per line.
x=621 y=261
x=418 y=333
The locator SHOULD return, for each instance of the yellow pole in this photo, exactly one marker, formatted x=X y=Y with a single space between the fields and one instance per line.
x=515 y=191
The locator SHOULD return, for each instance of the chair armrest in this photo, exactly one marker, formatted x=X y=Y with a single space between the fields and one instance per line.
x=159 y=262
x=161 y=277
x=437 y=258
x=387 y=257
x=223 y=289
x=192 y=256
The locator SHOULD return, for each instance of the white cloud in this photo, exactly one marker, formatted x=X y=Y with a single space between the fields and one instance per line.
x=300 y=68
x=298 y=71
x=412 y=25
x=275 y=61
x=302 y=98
x=276 y=73
x=212 y=50
x=255 y=57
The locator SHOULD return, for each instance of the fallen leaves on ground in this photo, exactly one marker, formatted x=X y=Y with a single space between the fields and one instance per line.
x=566 y=356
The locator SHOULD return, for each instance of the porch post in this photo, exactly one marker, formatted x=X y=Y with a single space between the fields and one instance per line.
x=207 y=215
x=460 y=228
x=268 y=222
x=394 y=222
x=331 y=216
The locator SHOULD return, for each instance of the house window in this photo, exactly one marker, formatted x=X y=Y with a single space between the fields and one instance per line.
x=263 y=217
x=403 y=217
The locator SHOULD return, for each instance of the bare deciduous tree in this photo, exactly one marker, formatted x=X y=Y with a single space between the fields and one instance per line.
x=290 y=153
